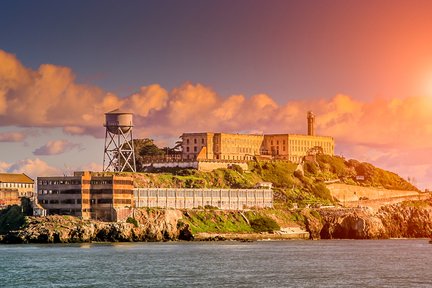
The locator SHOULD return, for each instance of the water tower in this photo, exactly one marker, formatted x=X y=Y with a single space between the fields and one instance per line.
x=119 y=149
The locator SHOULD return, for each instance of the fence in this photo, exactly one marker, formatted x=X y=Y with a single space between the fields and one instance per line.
x=228 y=199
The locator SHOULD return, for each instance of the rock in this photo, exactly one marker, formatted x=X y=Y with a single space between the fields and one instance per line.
x=403 y=220
x=154 y=225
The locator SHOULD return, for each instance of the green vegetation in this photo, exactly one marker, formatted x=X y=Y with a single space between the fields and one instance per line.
x=218 y=221
x=294 y=185
x=264 y=224
x=11 y=218
x=132 y=221
x=356 y=173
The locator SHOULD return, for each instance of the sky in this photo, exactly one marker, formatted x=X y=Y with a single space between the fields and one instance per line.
x=363 y=67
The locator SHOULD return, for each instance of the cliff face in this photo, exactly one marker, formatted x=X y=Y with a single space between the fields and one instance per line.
x=402 y=220
x=157 y=225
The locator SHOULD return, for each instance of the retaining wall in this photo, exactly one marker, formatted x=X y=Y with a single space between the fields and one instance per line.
x=352 y=193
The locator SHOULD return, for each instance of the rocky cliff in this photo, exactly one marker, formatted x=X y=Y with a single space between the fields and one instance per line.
x=411 y=219
x=151 y=225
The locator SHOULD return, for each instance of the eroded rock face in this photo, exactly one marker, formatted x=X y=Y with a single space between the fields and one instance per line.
x=352 y=225
x=407 y=220
x=402 y=220
x=153 y=225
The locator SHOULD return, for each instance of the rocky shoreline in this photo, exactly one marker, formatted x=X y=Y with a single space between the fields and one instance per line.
x=403 y=220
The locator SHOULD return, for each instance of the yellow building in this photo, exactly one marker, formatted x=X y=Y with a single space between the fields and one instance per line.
x=85 y=194
x=21 y=182
x=241 y=147
x=221 y=146
x=293 y=146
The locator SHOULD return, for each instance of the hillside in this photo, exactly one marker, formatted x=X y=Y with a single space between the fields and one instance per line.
x=300 y=184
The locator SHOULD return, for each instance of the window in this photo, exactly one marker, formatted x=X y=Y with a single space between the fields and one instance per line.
x=195 y=141
x=202 y=140
x=195 y=148
x=187 y=149
x=187 y=141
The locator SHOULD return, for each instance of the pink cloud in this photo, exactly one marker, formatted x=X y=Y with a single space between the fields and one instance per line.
x=388 y=131
x=56 y=147
x=33 y=168
x=12 y=137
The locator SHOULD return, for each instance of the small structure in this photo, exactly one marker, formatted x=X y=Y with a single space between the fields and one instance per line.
x=264 y=185
x=119 y=152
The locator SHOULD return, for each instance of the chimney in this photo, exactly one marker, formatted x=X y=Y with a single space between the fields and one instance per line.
x=311 y=122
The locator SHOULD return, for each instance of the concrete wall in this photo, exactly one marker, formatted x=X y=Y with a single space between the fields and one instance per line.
x=212 y=165
x=206 y=165
x=229 y=199
x=349 y=193
x=176 y=164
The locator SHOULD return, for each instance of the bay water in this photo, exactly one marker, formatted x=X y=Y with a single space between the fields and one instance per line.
x=303 y=263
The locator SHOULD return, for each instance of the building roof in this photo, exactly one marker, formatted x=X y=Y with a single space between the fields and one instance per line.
x=15 y=178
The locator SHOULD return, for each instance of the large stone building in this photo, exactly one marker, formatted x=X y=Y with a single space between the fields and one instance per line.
x=243 y=147
x=220 y=146
x=21 y=183
x=86 y=194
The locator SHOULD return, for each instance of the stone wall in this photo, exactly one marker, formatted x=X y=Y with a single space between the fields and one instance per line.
x=212 y=165
x=206 y=165
x=351 y=193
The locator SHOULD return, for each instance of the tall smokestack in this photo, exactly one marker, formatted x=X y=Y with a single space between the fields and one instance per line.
x=311 y=122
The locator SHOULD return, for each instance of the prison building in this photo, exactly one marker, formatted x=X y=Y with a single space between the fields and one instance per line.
x=294 y=147
x=226 y=199
x=22 y=183
x=85 y=194
x=220 y=146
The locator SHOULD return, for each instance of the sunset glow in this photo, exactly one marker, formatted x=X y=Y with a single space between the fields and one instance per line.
x=363 y=67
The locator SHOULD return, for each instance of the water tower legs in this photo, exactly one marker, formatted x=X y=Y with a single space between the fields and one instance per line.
x=119 y=154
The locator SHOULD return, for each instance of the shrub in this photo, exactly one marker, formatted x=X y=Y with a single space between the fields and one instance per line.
x=11 y=218
x=237 y=168
x=132 y=221
x=264 y=224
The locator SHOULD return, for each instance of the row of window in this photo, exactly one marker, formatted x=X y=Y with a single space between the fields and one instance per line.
x=60 y=182
x=15 y=185
x=92 y=191
x=78 y=182
x=195 y=141
x=86 y=201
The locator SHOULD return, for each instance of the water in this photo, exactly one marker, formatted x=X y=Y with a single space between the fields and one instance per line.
x=325 y=263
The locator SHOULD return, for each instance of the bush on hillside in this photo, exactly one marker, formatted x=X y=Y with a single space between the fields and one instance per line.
x=11 y=218
x=264 y=224
x=132 y=221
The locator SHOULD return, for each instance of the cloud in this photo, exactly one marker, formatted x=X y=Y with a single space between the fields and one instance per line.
x=91 y=167
x=56 y=147
x=12 y=137
x=384 y=131
x=32 y=167
x=4 y=166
